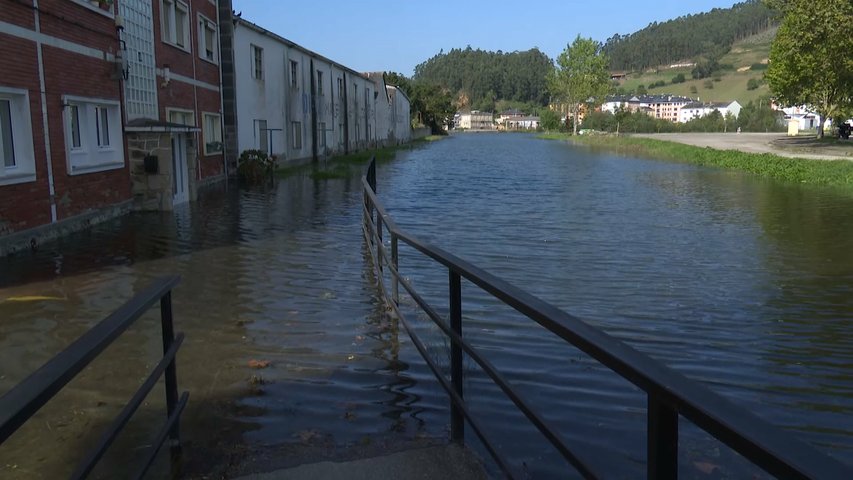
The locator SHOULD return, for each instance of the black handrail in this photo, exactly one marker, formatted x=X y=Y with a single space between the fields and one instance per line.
x=25 y=399
x=670 y=393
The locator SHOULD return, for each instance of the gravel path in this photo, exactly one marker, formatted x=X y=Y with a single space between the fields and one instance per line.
x=776 y=143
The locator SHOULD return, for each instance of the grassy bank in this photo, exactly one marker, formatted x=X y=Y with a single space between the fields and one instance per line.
x=837 y=173
x=342 y=166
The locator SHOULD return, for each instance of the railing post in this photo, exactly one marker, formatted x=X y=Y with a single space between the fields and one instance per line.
x=395 y=262
x=457 y=420
x=379 y=244
x=662 y=442
x=171 y=376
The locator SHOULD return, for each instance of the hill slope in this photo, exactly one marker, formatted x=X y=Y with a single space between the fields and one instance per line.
x=709 y=35
x=745 y=58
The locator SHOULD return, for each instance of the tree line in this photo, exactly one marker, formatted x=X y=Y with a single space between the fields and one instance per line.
x=708 y=35
x=479 y=79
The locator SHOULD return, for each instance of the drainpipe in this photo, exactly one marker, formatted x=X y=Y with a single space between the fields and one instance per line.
x=200 y=145
x=314 y=98
x=346 y=116
x=44 y=119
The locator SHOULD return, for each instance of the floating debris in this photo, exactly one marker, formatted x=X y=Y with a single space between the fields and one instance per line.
x=259 y=364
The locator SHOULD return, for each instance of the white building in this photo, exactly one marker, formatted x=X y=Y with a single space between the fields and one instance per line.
x=298 y=105
x=694 y=110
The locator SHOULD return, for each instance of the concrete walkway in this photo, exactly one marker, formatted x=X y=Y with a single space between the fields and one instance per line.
x=442 y=462
x=775 y=143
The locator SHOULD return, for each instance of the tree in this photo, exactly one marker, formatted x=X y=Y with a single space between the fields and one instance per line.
x=581 y=76
x=430 y=104
x=694 y=90
x=752 y=84
x=641 y=90
x=678 y=79
x=810 y=61
x=550 y=120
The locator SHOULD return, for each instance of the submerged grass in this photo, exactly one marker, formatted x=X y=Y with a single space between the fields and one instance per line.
x=836 y=173
x=341 y=166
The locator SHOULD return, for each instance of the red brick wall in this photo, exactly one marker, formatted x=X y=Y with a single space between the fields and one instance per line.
x=184 y=95
x=24 y=205
x=27 y=205
x=70 y=74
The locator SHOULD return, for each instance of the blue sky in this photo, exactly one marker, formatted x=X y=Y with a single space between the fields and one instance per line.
x=396 y=36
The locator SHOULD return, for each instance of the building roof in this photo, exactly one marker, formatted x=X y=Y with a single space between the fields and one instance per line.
x=695 y=105
x=257 y=28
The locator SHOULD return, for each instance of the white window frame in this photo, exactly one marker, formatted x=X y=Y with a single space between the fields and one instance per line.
x=22 y=138
x=169 y=23
x=205 y=24
x=257 y=67
x=296 y=132
x=182 y=111
x=216 y=133
x=100 y=148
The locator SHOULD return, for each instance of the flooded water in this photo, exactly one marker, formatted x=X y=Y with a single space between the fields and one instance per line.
x=741 y=283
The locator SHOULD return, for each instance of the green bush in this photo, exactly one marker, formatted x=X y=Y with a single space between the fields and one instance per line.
x=255 y=166
x=752 y=84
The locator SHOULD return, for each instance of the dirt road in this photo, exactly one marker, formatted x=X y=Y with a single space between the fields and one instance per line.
x=776 y=143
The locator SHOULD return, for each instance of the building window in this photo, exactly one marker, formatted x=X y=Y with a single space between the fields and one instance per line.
x=262 y=139
x=212 y=133
x=319 y=82
x=322 y=133
x=102 y=126
x=207 y=40
x=92 y=133
x=257 y=62
x=75 y=127
x=294 y=74
x=340 y=87
x=182 y=117
x=297 y=135
x=175 y=23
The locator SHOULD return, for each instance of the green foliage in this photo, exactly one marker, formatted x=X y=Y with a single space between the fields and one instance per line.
x=678 y=79
x=758 y=67
x=694 y=90
x=430 y=104
x=796 y=170
x=708 y=84
x=709 y=34
x=657 y=84
x=255 y=166
x=549 y=119
x=810 y=59
x=759 y=117
x=752 y=84
x=641 y=90
x=580 y=75
x=484 y=77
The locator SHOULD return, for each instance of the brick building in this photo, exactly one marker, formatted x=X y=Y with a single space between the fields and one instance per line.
x=90 y=90
x=173 y=100
x=63 y=156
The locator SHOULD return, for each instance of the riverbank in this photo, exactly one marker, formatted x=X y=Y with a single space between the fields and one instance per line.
x=837 y=172
x=339 y=166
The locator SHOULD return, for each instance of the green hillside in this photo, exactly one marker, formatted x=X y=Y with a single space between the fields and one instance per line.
x=732 y=84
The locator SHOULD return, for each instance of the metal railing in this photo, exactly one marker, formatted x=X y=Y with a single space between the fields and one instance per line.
x=25 y=399
x=669 y=393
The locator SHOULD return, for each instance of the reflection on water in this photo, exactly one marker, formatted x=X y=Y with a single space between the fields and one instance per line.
x=741 y=283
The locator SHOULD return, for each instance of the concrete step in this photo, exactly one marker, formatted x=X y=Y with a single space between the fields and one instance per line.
x=442 y=462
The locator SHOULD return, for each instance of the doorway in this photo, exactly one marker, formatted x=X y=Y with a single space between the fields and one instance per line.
x=180 y=182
